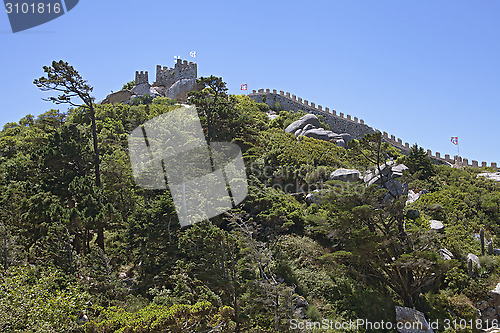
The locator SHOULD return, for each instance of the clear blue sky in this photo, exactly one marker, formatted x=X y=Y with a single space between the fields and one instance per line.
x=421 y=70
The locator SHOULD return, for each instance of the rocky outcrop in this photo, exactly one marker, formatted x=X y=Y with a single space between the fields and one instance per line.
x=398 y=170
x=178 y=91
x=411 y=321
x=445 y=254
x=472 y=264
x=315 y=196
x=145 y=88
x=489 y=310
x=121 y=96
x=308 y=119
x=300 y=307
x=490 y=175
x=320 y=134
x=346 y=175
x=389 y=171
x=309 y=126
x=386 y=170
x=436 y=225
x=412 y=197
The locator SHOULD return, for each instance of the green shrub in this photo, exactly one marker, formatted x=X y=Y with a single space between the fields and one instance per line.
x=35 y=300
x=141 y=100
x=199 y=317
x=163 y=101
x=129 y=85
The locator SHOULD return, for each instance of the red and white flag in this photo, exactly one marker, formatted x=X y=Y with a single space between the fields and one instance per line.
x=454 y=140
x=244 y=86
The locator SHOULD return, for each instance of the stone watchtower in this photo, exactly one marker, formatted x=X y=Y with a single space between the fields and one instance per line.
x=141 y=78
x=182 y=70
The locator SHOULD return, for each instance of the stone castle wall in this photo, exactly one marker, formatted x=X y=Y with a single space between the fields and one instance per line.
x=182 y=70
x=340 y=123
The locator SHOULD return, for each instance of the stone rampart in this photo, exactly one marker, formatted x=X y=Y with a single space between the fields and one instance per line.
x=340 y=123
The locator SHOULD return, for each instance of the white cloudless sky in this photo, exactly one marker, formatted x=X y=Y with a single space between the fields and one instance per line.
x=423 y=71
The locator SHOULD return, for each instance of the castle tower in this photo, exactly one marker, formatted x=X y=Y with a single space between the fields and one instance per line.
x=182 y=70
x=141 y=77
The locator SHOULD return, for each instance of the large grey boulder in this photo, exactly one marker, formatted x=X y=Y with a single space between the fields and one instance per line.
x=495 y=294
x=121 y=96
x=141 y=89
x=436 y=225
x=308 y=127
x=307 y=119
x=315 y=196
x=385 y=169
x=396 y=187
x=321 y=134
x=397 y=170
x=490 y=175
x=393 y=185
x=411 y=321
x=341 y=143
x=412 y=197
x=346 y=137
x=346 y=175
x=302 y=130
x=272 y=115
x=178 y=91
x=146 y=88
x=472 y=263
x=445 y=254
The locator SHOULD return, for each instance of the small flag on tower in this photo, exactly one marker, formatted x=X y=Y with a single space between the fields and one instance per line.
x=244 y=86
x=454 y=140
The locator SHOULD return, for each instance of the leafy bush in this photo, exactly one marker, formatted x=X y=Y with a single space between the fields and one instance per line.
x=141 y=100
x=199 y=317
x=129 y=85
x=34 y=300
x=419 y=164
x=163 y=101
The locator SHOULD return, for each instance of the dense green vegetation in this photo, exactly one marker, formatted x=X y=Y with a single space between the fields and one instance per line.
x=275 y=257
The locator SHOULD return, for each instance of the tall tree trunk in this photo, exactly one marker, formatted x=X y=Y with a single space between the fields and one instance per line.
x=100 y=225
x=96 y=148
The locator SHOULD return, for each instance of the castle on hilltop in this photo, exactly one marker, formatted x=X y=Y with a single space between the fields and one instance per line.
x=176 y=82
x=173 y=83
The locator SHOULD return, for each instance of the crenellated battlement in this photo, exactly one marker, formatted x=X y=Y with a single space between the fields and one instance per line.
x=308 y=104
x=141 y=77
x=182 y=70
x=348 y=124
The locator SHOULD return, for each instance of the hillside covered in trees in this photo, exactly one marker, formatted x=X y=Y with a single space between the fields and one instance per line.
x=346 y=251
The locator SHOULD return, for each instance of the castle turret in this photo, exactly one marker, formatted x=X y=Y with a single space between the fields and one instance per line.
x=141 y=78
